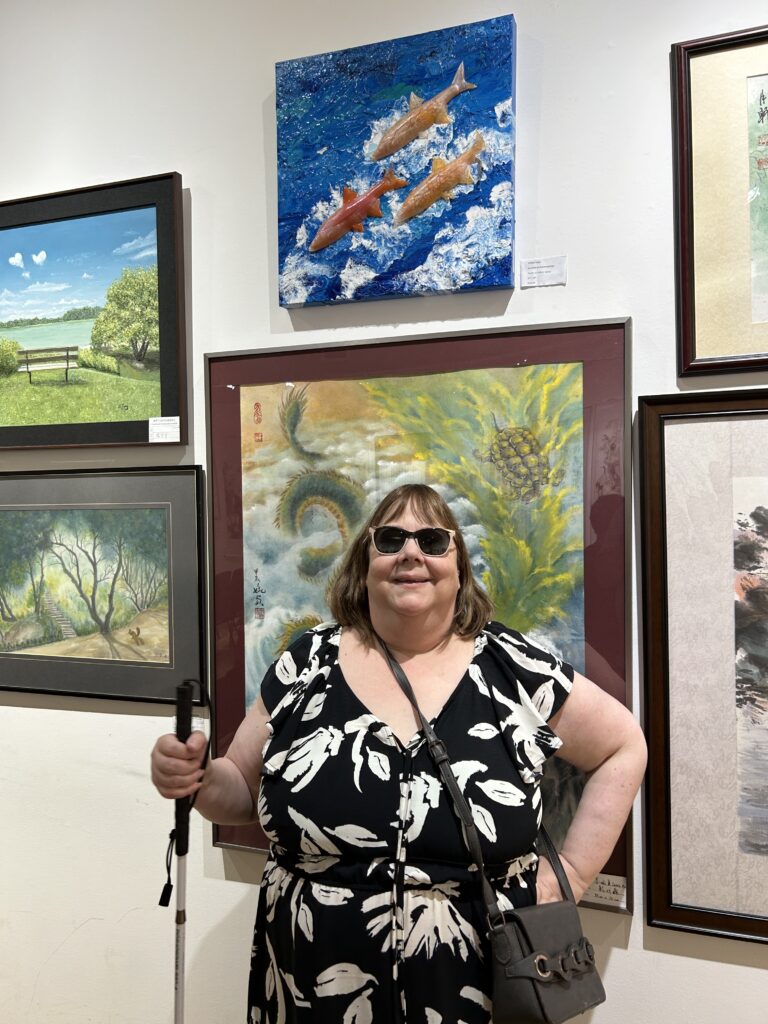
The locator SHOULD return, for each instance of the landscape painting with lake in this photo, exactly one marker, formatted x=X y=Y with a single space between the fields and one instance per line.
x=92 y=316
x=79 y=322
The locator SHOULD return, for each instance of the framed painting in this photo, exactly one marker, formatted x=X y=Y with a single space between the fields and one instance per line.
x=92 y=338
x=396 y=166
x=704 y=477
x=304 y=442
x=102 y=582
x=720 y=112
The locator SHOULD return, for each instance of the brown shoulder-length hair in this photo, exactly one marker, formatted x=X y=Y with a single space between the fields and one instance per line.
x=348 y=595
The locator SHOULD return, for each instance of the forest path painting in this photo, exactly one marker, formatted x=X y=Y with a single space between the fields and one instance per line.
x=85 y=583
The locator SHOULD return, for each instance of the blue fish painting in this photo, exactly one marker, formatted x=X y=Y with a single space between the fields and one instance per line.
x=435 y=111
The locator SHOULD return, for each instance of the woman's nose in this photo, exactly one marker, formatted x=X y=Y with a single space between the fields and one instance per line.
x=410 y=548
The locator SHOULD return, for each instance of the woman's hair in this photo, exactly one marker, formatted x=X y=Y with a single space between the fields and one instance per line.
x=348 y=595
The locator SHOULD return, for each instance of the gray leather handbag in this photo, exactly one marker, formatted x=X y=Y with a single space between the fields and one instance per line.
x=543 y=966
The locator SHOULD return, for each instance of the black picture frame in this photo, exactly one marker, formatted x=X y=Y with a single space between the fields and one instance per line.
x=163 y=193
x=121 y=663
x=715 y=332
x=699 y=868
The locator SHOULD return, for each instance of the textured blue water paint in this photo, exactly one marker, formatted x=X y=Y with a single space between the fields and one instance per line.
x=331 y=112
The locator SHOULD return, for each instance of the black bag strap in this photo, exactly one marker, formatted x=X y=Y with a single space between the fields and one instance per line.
x=441 y=759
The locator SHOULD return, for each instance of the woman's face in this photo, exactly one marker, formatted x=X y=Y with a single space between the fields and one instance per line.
x=409 y=582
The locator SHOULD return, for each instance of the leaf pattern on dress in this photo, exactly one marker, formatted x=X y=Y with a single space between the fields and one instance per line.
x=425 y=794
x=314 y=834
x=432 y=920
x=484 y=820
x=341 y=979
x=307 y=756
x=298 y=998
x=378 y=764
x=306 y=921
x=483 y=731
x=464 y=770
x=502 y=792
x=432 y=1016
x=356 y=835
x=331 y=895
x=360 y=1010
x=477 y=996
x=314 y=706
x=381 y=922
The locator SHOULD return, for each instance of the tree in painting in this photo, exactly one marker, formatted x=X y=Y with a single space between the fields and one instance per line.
x=84 y=582
x=129 y=320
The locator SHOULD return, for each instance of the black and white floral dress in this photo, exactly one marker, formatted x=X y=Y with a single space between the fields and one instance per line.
x=370 y=911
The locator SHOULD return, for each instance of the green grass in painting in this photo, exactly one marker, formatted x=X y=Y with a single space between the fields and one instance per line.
x=89 y=397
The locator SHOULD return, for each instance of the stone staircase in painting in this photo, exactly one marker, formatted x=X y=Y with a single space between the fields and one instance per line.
x=58 y=616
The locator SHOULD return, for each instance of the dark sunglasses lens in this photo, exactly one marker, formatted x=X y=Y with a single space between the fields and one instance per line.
x=388 y=539
x=433 y=541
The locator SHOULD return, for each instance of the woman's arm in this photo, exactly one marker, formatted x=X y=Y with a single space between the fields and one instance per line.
x=227 y=790
x=602 y=738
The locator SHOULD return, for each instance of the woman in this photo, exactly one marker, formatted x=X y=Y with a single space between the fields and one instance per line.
x=369 y=910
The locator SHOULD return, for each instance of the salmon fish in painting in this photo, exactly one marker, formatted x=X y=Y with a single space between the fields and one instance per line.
x=441 y=181
x=420 y=103
x=354 y=209
x=421 y=116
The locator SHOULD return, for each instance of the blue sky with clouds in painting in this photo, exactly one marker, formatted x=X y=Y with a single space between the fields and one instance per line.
x=46 y=269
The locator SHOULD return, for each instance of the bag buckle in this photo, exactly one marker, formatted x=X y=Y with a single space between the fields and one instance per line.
x=540 y=963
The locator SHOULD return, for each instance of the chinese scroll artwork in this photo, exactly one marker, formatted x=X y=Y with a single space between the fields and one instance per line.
x=750 y=551
x=758 y=193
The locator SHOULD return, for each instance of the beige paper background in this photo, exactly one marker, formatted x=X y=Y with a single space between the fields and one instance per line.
x=721 y=235
x=702 y=457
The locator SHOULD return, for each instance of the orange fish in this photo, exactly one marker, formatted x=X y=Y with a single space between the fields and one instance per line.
x=353 y=210
x=441 y=181
x=421 y=115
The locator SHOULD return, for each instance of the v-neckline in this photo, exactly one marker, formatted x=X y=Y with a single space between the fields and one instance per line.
x=419 y=733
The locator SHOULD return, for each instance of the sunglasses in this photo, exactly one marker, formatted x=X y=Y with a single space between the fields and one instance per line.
x=432 y=540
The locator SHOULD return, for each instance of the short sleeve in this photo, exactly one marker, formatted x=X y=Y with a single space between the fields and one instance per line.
x=529 y=684
x=545 y=678
x=289 y=669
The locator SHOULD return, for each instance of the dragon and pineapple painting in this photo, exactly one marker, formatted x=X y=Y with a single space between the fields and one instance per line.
x=504 y=446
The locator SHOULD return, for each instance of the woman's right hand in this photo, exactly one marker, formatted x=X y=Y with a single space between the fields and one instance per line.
x=176 y=766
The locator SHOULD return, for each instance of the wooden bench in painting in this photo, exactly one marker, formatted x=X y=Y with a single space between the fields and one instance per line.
x=62 y=358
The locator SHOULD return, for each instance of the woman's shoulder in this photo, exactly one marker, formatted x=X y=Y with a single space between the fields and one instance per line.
x=311 y=652
x=521 y=647
x=527 y=666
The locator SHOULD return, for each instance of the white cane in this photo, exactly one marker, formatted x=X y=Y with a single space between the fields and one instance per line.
x=180 y=839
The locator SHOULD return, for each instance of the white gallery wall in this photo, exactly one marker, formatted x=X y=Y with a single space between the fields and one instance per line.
x=105 y=91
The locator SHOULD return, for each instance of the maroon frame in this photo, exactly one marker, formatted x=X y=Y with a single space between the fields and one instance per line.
x=602 y=348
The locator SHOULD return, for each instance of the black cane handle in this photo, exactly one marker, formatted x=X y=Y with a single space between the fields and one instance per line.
x=183 y=731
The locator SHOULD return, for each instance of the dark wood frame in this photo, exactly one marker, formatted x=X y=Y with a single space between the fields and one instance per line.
x=163 y=192
x=180 y=489
x=654 y=413
x=601 y=347
x=689 y=364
